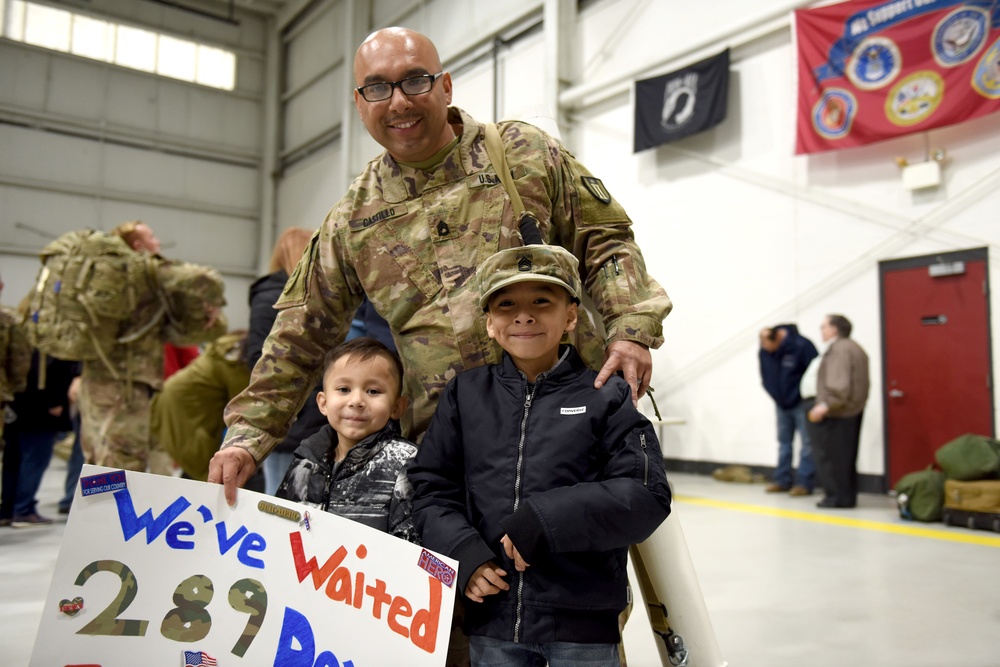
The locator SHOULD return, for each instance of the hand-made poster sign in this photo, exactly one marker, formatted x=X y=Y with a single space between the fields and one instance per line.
x=161 y=571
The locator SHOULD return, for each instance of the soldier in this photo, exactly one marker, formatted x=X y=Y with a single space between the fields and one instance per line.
x=15 y=362
x=411 y=231
x=115 y=400
x=15 y=356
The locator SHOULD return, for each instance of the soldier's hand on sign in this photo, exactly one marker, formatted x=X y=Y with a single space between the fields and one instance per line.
x=231 y=467
x=633 y=360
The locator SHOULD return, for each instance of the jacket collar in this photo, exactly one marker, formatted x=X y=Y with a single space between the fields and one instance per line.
x=318 y=446
x=570 y=365
x=400 y=183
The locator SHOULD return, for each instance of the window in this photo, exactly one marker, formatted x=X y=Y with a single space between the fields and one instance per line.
x=127 y=46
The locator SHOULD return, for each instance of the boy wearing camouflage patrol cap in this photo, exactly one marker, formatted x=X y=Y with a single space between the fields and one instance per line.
x=535 y=481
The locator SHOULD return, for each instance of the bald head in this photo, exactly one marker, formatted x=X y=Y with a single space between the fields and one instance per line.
x=390 y=42
x=413 y=128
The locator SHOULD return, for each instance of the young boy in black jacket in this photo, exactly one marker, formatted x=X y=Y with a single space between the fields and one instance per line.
x=355 y=466
x=536 y=482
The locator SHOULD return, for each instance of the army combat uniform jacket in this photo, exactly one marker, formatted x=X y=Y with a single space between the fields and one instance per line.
x=187 y=289
x=15 y=357
x=411 y=240
x=115 y=399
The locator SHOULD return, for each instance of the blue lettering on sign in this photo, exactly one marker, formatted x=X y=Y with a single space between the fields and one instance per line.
x=297 y=645
x=131 y=524
x=176 y=531
x=253 y=542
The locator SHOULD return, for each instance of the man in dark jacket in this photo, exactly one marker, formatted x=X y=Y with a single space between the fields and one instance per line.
x=41 y=415
x=784 y=357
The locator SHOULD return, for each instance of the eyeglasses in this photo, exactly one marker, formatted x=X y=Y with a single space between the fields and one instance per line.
x=415 y=85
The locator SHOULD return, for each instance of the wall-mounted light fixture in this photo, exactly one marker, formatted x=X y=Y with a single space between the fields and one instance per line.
x=926 y=174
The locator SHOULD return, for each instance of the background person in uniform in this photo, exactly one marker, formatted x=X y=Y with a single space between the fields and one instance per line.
x=186 y=415
x=835 y=420
x=115 y=411
x=784 y=356
x=410 y=233
x=542 y=553
x=15 y=362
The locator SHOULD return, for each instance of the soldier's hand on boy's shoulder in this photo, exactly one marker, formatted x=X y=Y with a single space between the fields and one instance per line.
x=231 y=467
x=508 y=547
x=635 y=362
x=486 y=580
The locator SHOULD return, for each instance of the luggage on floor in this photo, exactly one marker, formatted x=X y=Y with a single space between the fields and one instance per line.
x=920 y=495
x=981 y=496
x=969 y=457
x=975 y=520
x=972 y=504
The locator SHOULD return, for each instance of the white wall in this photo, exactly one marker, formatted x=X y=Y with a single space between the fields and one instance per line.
x=743 y=234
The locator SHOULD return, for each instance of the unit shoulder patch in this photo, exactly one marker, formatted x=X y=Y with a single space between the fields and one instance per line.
x=596 y=188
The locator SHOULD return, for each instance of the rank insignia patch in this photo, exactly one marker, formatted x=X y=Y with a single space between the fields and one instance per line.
x=597 y=189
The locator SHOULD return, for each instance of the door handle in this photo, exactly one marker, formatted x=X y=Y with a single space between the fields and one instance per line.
x=896 y=393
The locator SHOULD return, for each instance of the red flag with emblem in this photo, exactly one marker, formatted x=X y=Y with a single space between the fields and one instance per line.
x=870 y=71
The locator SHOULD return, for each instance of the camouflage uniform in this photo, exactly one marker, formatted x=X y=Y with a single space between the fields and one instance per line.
x=15 y=360
x=411 y=240
x=115 y=412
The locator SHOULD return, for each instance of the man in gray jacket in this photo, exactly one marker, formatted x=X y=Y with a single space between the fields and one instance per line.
x=835 y=420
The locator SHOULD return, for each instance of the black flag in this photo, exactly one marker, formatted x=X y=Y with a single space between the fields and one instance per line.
x=682 y=103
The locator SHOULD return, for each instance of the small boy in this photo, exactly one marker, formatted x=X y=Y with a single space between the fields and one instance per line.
x=355 y=466
x=528 y=471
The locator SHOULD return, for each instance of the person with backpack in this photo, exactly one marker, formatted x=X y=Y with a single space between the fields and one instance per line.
x=183 y=308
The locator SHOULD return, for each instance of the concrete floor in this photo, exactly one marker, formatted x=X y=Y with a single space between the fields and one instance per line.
x=785 y=584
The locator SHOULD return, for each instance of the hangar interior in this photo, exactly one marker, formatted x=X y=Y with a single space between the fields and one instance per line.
x=221 y=123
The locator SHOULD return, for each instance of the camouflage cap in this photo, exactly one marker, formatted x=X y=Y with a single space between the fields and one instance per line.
x=542 y=263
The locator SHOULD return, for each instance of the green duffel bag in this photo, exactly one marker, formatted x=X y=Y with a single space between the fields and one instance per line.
x=920 y=495
x=969 y=457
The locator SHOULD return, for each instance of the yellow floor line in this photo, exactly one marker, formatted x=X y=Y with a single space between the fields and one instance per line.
x=958 y=535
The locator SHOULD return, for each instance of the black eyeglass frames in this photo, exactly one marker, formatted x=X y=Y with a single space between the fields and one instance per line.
x=415 y=85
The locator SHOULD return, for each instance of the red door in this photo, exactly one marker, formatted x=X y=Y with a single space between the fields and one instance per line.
x=937 y=371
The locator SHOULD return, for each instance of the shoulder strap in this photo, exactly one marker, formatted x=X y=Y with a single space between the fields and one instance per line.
x=498 y=156
x=527 y=223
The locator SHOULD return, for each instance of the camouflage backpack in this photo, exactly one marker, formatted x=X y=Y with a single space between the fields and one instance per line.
x=86 y=294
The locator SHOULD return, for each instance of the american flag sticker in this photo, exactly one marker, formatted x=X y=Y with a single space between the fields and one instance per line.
x=437 y=568
x=198 y=659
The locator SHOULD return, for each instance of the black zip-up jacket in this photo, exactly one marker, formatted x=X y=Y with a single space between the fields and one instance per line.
x=572 y=474
x=369 y=486
x=264 y=292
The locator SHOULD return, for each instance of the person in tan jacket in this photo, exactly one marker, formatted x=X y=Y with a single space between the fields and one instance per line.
x=835 y=420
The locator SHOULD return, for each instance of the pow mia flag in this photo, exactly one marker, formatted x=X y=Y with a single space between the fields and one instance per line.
x=682 y=103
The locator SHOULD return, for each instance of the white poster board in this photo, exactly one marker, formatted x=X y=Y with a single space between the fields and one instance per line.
x=160 y=571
